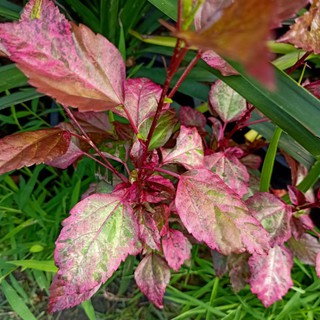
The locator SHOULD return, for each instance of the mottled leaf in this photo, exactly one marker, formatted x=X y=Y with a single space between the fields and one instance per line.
x=305 y=249
x=273 y=214
x=220 y=265
x=190 y=117
x=230 y=170
x=318 y=264
x=152 y=277
x=33 y=147
x=141 y=100
x=162 y=132
x=176 y=248
x=72 y=154
x=188 y=150
x=99 y=234
x=271 y=274
x=237 y=30
x=304 y=33
x=216 y=62
x=252 y=161
x=229 y=105
x=157 y=189
x=214 y=214
x=314 y=88
x=65 y=61
x=239 y=272
x=148 y=230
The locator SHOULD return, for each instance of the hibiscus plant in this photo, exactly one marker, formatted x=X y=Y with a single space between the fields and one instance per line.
x=174 y=179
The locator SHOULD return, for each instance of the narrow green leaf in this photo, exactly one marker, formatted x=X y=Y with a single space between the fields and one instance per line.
x=269 y=161
x=168 y=7
x=11 y=77
x=109 y=23
x=47 y=265
x=9 y=10
x=16 y=303
x=88 y=309
x=17 y=229
x=19 y=97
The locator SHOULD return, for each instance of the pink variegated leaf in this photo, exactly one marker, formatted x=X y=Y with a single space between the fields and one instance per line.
x=252 y=161
x=65 y=61
x=188 y=150
x=152 y=277
x=314 y=88
x=318 y=264
x=33 y=147
x=216 y=62
x=305 y=249
x=239 y=270
x=73 y=153
x=220 y=265
x=229 y=105
x=141 y=100
x=190 y=117
x=230 y=170
x=296 y=196
x=304 y=33
x=99 y=234
x=148 y=230
x=217 y=131
x=271 y=274
x=216 y=215
x=299 y=225
x=273 y=214
x=157 y=189
x=176 y=248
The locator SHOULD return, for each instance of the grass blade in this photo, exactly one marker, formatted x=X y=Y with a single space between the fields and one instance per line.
x=16 y=303
x=47 y=266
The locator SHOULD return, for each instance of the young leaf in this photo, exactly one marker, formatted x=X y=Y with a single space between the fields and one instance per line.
x=318 y=264
x=229 y=105
x=216 y=62
x=296 y=196
x=305 y=32
x=157 y=189
x=190 y=117
x=220 y=265
x=188 y=150
x=162 y=132
x=238 y=31
x=141 y=100
x=152 y=276
x=273 y=214
x=148 y=230
x=271 y=274
x=305 y=249
x=28 y=148
x=213 y=213
x=230 y=170
x=176 y=248
x=65 y=61
x=100 y=233
x=238 y=271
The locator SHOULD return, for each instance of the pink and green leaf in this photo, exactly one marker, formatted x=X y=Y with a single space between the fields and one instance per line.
x=271 y=274
x=33 y=147
x=214 y=214
x=152 y=277
x=65 y=61
x=305 y=249
x=228 y=104
x=188 y=150
x=239 y=272
x=176 y=248
x=190 y=117
x=99 y=234
x=273 y=214
x=230 y=170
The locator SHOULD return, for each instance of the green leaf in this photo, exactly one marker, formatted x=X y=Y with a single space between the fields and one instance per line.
x=11 y=77
x=88 y=309
x=162 y=131
x=9 y=10
x=16 y=303
x=168 y=7
x=19 y=97
x=47 y=266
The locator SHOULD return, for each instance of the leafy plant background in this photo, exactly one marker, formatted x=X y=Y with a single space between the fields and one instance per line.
x=34 y=201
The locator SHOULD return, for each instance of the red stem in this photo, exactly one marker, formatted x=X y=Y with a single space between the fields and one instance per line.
x=92 y=144
x=168 y=172
x=184 y=74
x=180 y=9
x=299 y=62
